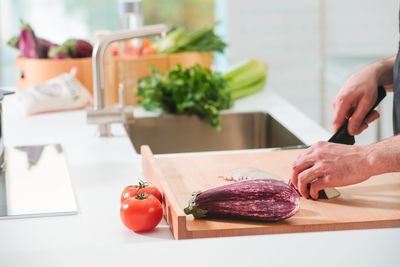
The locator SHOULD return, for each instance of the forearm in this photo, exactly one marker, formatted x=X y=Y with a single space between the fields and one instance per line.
x=384 y=156
x=384 y=71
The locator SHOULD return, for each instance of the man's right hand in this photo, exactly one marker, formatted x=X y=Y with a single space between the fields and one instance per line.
x=355 y=99
x=359 y=94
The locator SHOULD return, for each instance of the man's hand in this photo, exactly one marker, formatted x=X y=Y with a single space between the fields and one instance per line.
x=328 y=165
x=355 y=99
x=359 y=94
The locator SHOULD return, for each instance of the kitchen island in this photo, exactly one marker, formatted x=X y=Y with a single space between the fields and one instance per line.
x=101 y=167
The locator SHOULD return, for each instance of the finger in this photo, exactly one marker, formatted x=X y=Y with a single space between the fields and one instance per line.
x=371 y=117
x=307 y=177
x=302 y=163
x=317 y=186
x=334 y=104
x=294 y=178
x=361 y=129
x=342 y=110
x=358 y=116
x=295 y=175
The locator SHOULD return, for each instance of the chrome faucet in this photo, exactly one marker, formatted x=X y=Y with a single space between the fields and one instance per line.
x=120 y=113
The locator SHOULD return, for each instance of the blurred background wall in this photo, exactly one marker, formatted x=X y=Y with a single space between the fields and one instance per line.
x=301 y=40
x=287 y=34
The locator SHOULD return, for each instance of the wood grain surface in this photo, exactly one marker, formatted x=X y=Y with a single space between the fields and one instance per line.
x=374 y=203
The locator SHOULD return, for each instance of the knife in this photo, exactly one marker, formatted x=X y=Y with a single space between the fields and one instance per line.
x=342 y=136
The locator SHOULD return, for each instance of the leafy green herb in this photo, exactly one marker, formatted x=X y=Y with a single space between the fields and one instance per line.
x=193 y=91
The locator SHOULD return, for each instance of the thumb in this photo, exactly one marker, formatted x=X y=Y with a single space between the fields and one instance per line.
x=316 y=186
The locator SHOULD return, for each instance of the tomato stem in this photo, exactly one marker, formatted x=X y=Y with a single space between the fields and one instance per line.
x=142 y=196
x=142 y=184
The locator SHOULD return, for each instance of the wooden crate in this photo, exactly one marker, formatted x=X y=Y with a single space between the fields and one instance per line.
x=129 y=71
x=34 y=71
x=116 y=70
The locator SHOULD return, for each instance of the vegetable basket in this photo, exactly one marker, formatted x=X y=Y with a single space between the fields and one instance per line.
x=34 y=71
x=128 y=71
x=118 y=70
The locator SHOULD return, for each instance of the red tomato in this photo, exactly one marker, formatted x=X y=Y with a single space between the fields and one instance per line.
x=115 y=49
x=141 y=213
x=134 y=190
x=131 y=50
x=149 y=51
x=146 y=43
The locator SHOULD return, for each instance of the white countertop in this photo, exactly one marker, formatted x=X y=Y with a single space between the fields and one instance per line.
x=101 y=167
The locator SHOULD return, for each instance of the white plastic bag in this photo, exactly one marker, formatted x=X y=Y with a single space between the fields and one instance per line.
x=61 y=93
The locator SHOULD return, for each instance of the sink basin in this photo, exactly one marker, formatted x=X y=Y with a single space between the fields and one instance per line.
x=178 y=133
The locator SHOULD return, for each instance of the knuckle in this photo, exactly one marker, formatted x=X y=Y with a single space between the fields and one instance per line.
x=320 y=168
x=318 y=155
x=340 y=99
x=320 y=144
x=294 y=165
x=301 y=183
x=328 y=180
x=308 y=150
x=301 y=177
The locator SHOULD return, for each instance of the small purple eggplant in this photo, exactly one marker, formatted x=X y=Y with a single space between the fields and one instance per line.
x=44 y=45
x=261 y=200
x=27 y=43
x=78 y=48
x=58 y=52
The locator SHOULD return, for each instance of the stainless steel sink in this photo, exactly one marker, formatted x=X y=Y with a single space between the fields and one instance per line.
x=178 y=133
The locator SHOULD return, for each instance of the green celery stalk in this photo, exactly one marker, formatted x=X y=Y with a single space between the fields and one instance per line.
x=245 y=74
x=238 y=68
x=248 y=90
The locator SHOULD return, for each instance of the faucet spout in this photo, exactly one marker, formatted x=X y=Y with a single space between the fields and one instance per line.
x=98 y=66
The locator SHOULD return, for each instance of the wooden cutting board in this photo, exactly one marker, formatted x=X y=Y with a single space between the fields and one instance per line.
x=374 y=203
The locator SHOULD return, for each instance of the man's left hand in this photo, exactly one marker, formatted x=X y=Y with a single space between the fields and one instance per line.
x=328 y=165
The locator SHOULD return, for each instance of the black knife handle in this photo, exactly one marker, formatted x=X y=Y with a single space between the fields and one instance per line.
x=342 y=136
x=381 y=95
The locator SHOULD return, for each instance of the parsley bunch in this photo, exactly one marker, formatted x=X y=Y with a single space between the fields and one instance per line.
x=193 y=91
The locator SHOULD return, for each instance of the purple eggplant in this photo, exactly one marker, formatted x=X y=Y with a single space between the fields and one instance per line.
x=44 y=45
x=78 y=48
x=27 y=43
x=260 y=199
x=58 y=52
x=33 y=47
